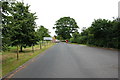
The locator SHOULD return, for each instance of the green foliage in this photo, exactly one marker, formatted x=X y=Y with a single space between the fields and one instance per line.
x=6 y=30
x=72 y=40
x=75 y=37
x=18 y=25
x=82 y=40
x=42 y=32
x=103 y=33
x=65 y=27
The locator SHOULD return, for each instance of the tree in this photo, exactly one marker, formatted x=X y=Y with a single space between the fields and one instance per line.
x=65 y=27
x=6 y=24
x=103 y=33
x=42 y=32
x=75 y=37
x=18 y=25
x=102 y=30
x=5 y=8
x=116 y=33
x=23 y=25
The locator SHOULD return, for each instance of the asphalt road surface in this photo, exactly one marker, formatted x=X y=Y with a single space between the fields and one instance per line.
x=71 y=61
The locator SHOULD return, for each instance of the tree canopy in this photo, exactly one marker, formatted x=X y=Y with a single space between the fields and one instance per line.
x=65 y=27
x=6 y=23
x=19 y=24
x=103 y=33
x=42 y=32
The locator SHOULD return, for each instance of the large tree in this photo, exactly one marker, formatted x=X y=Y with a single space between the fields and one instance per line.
x=23 y=25
x=102 y=30
x=65 y=27
x=18 y=25
x=6 y=25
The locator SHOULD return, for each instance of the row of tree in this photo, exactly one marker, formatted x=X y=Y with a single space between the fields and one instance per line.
x=102 y=32
x=18 y=26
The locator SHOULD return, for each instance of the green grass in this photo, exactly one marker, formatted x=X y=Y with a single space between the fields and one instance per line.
x=10 y=63
x=77 y=43
x=14 y=47
x=96 y=46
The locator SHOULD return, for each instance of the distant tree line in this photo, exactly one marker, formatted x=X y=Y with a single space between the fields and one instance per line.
x=18 y=26
x=103 y=33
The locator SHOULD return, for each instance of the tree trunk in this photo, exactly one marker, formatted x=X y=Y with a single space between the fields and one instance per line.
x=17 y=52
x=40 y=46
x=21 y=49
x=45 y=43
x=32 y=48
x=42 y=43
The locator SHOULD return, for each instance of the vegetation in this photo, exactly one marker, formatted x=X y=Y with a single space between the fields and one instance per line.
x=18 y=32
x=65 y=27
x=9 y=62
x=18 y=26
x=42 y=32
x=5 y=25
x=102 y=33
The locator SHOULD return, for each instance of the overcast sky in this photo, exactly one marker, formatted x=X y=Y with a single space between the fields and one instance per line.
x=83 y=11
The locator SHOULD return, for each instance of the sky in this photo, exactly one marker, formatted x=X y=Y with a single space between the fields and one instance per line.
x=83 y=11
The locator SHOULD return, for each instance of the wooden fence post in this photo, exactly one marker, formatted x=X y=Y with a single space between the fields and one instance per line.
x=17 y=52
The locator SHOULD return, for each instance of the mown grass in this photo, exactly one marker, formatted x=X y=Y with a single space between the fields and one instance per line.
x=10 y=62
x=96 y=46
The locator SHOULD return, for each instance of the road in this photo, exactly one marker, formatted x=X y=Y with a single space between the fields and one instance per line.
x=71 y=61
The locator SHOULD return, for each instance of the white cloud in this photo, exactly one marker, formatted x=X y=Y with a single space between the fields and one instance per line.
x=83 y=11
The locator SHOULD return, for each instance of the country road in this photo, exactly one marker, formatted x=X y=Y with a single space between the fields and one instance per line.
x=72 y=61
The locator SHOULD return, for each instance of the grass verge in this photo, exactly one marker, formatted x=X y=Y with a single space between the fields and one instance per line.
x=10 y=63
x=97 y=46
x=77 y=44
